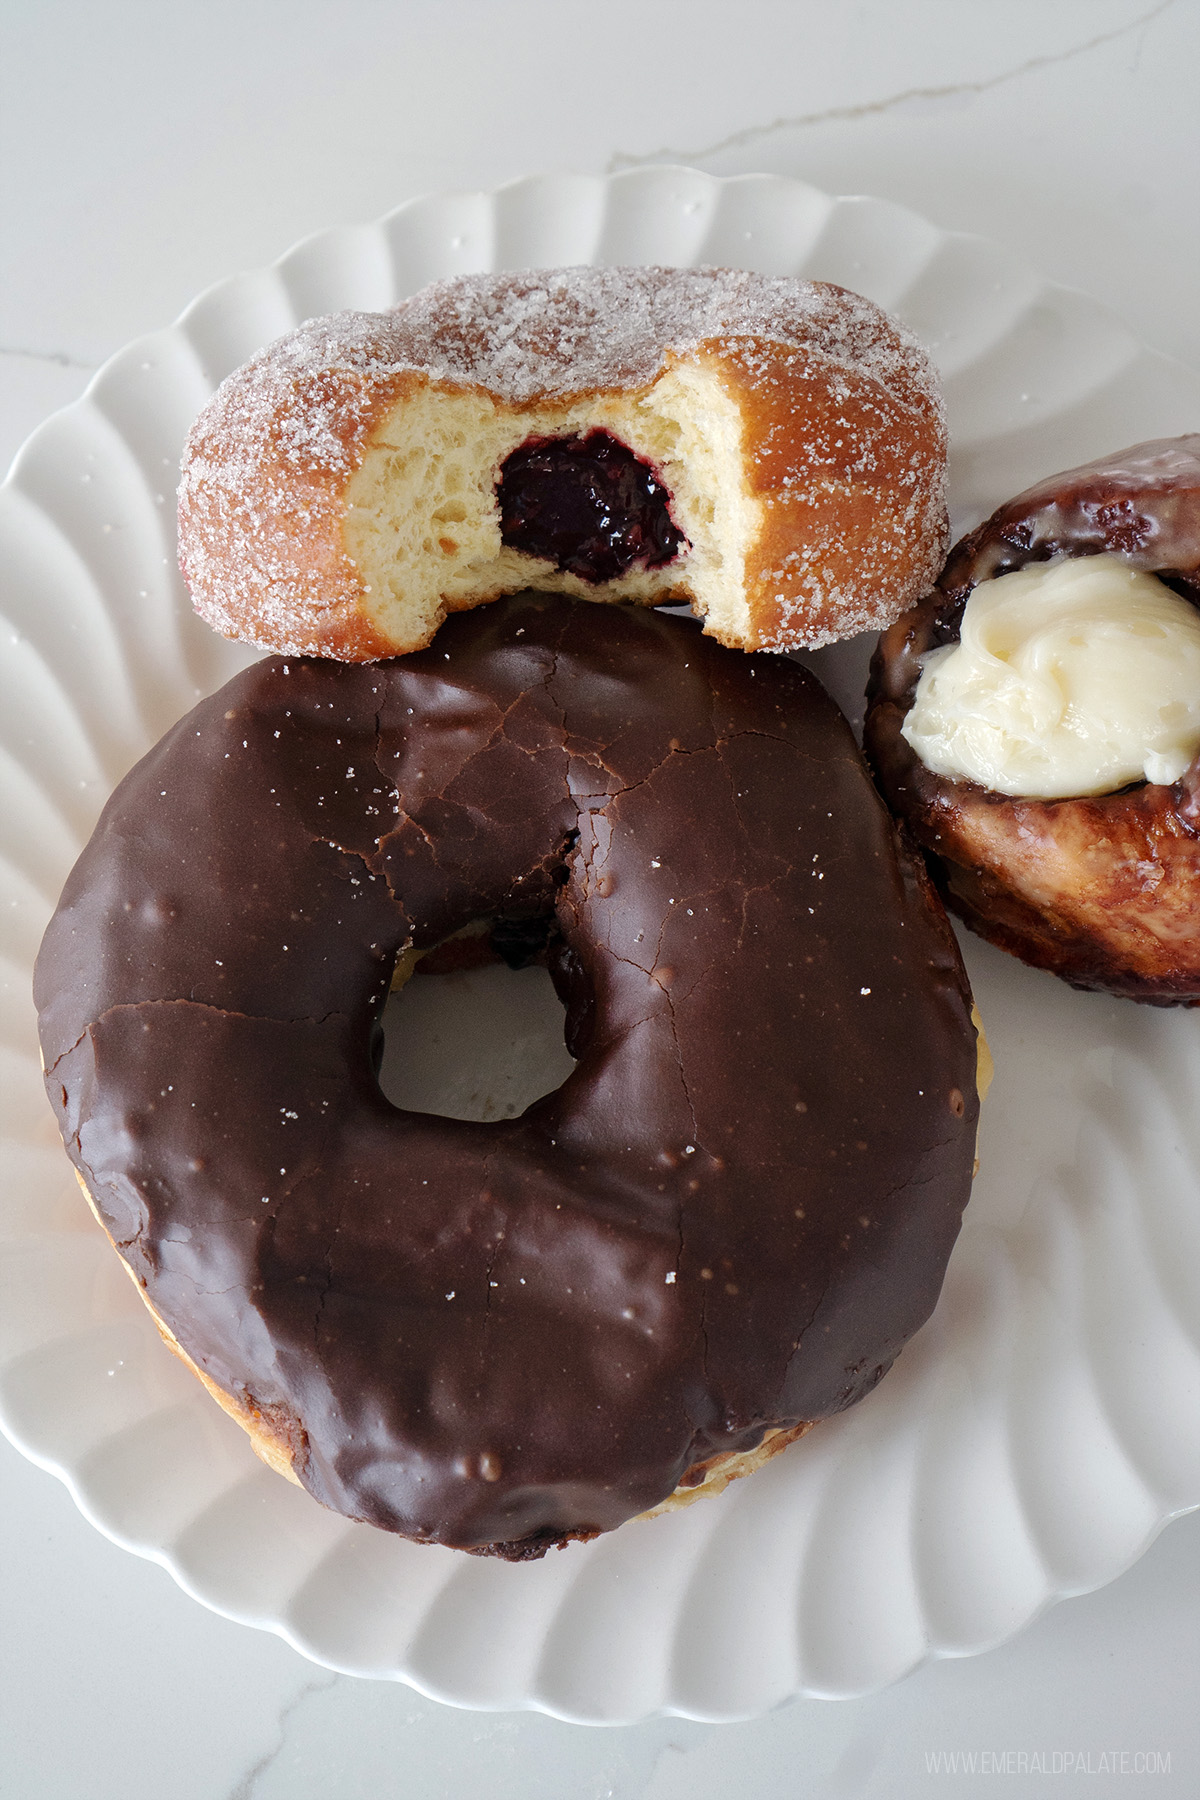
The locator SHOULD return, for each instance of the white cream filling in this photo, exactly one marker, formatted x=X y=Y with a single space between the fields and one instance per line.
x=1071 y=677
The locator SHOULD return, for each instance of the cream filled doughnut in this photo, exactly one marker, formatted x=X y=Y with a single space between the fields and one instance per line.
x=1036 y=724
x=770 y=450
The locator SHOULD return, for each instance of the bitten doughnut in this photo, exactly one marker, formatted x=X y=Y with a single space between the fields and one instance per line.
x=726 y=1222
x=1036 y=723
x=770 y=450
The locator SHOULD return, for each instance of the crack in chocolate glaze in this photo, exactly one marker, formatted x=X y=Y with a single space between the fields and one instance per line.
x=649 y=803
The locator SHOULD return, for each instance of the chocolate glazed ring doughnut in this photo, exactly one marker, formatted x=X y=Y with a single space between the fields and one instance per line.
x=1103 y=889
x=727 y=1221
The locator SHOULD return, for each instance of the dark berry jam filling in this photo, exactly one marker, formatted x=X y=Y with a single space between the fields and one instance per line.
x=588 y=505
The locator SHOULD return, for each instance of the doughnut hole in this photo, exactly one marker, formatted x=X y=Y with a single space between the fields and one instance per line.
x=476 y=1032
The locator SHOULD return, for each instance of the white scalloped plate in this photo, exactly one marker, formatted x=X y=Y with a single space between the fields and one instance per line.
x=1033 y=1437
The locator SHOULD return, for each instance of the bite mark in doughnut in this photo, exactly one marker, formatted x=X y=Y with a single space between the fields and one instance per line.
x=1103 y=890
x=345 y=490
x=723 y=1226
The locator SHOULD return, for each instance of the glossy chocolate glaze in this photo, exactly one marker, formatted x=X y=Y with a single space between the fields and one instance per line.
x=588 y=505
x=733 y=1213
x=1142 y=503
x=1130 y=929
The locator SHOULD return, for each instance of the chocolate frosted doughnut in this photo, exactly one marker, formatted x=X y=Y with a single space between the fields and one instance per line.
x=771 y=450
x=1101 y=888
x=729 y=1218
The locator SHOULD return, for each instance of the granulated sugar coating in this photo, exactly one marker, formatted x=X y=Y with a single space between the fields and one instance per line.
x=563 y=331
x=328 y=504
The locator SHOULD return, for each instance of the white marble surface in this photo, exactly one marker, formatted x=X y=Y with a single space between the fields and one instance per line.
x=149 y=151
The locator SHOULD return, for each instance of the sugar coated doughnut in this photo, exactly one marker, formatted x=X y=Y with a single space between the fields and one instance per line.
x=723 y=1226
x=1036 y=724
x=770 y=450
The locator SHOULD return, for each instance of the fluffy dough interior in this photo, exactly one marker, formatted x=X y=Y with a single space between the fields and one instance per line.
x=422 y=524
